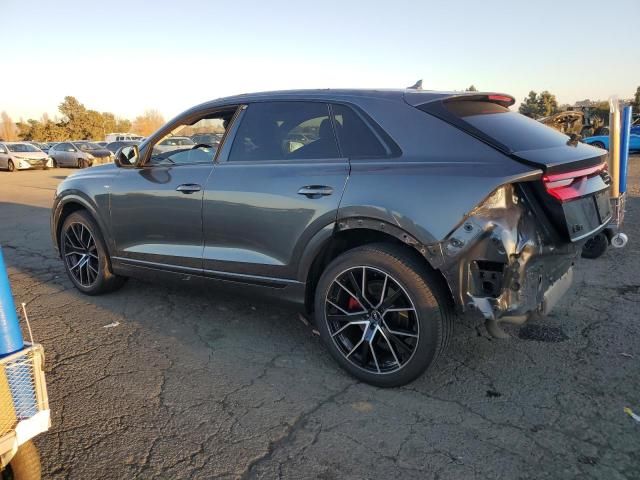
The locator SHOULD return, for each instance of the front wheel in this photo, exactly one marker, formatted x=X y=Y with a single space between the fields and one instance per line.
x=10 y=166
x=85 y=256
x=25 y=464
x=382 y=314
x=599 y=145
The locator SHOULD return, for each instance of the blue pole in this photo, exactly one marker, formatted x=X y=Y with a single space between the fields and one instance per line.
x=10 y=334
x=625 y=133
x=625 y=137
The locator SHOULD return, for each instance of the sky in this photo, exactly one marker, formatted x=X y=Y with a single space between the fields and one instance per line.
x=128 y=56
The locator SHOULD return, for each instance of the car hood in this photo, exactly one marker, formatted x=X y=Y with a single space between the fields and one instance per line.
x=32 y=155
x=103 y=152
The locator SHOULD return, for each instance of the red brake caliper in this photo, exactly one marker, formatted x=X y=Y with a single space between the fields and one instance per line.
x=353 y=304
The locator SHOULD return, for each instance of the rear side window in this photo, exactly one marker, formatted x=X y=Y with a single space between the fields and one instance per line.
x=285 y=131
x=355 y=137
x=513 y=130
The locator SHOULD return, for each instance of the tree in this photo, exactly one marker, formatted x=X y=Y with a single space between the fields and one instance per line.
x=147 y=123
x=8 y=131
x=636 y=101
x=529 y=105
x=537 y=106
x=548 y=104
x=472 y=88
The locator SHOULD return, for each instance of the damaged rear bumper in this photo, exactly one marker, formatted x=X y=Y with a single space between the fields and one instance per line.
x=499 y=264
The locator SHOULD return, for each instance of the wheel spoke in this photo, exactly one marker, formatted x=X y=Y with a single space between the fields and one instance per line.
x=357 y=344
x=396 y=341
x=395 y=357
x=390 y=300
x=384 y=290
x=344 y=311
x=373 y=353
x=350 y=324
x=359 y=290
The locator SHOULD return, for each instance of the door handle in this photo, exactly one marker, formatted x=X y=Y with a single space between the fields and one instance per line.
x=315 y=191
x=188 y=188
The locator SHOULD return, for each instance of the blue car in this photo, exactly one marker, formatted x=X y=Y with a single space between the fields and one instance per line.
x=602 y=141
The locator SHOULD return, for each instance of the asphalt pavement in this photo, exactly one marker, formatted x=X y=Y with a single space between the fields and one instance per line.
x=178 y=381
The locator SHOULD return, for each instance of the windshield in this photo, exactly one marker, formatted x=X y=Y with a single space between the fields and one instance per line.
x=88 y=146
x=22 y=147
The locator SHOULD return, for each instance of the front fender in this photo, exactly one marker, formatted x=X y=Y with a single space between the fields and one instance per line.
x=84 y=202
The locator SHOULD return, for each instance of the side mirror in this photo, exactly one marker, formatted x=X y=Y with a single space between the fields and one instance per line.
x=127 y=156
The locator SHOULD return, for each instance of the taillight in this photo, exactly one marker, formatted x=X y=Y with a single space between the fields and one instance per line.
x=569 y=185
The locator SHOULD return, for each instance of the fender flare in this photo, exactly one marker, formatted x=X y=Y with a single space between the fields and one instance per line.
x=86 y=204
x=432 y=253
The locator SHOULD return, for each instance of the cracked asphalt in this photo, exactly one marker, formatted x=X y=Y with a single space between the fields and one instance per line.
x=195 y=383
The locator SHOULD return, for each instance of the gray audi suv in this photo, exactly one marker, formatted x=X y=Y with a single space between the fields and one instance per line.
x=385 y=214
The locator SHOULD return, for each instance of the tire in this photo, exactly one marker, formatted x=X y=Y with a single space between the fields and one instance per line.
x=54 y=162
x=82 y=163
x=10 y=166
x=596 y=246
x=398 y=341
x=599 y=145
x=86 y=247
x=25 y=464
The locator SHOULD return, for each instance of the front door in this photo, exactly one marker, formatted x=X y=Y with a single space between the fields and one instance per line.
x=156 y=209
x=274 y=187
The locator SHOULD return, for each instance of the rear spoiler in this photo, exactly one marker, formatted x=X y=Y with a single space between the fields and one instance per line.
x=423 y=97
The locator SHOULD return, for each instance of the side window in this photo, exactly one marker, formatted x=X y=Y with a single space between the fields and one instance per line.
x=63 y=147
x=355 y=136
x=2 y=149
x=179 y=148
x=285 y=131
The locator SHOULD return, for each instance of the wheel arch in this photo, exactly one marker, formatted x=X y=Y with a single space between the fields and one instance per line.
x=70 y=204
x=337 y=239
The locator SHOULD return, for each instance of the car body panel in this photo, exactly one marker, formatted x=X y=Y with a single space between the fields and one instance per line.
x=255 y=222
x=152 y=222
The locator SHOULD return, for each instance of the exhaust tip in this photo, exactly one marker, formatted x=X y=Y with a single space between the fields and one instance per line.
x=619 y=240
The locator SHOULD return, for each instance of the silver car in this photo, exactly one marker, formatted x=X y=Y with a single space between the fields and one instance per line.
x=22 y=156
x=81 y=154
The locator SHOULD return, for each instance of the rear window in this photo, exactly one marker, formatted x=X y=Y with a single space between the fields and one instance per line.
x=511 y=129
x=355 y=137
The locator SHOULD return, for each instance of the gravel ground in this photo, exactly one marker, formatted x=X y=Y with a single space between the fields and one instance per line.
x=193 y=383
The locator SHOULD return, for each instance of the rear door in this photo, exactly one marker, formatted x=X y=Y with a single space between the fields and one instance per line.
x=275 y=186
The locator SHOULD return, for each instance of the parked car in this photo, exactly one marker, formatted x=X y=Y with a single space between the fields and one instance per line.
x=114 y=146
x=22 y=156
x=212 y=139
x=121 y=137
x=173 y=143
x=81 y=154
x=602 y=141
x=41 y=145
x=392 y=214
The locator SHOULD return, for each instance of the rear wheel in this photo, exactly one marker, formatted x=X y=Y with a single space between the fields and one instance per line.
x=10 y=166
x=596 y=246
x=382 y=314
x=25 y=464
x=85 y=256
